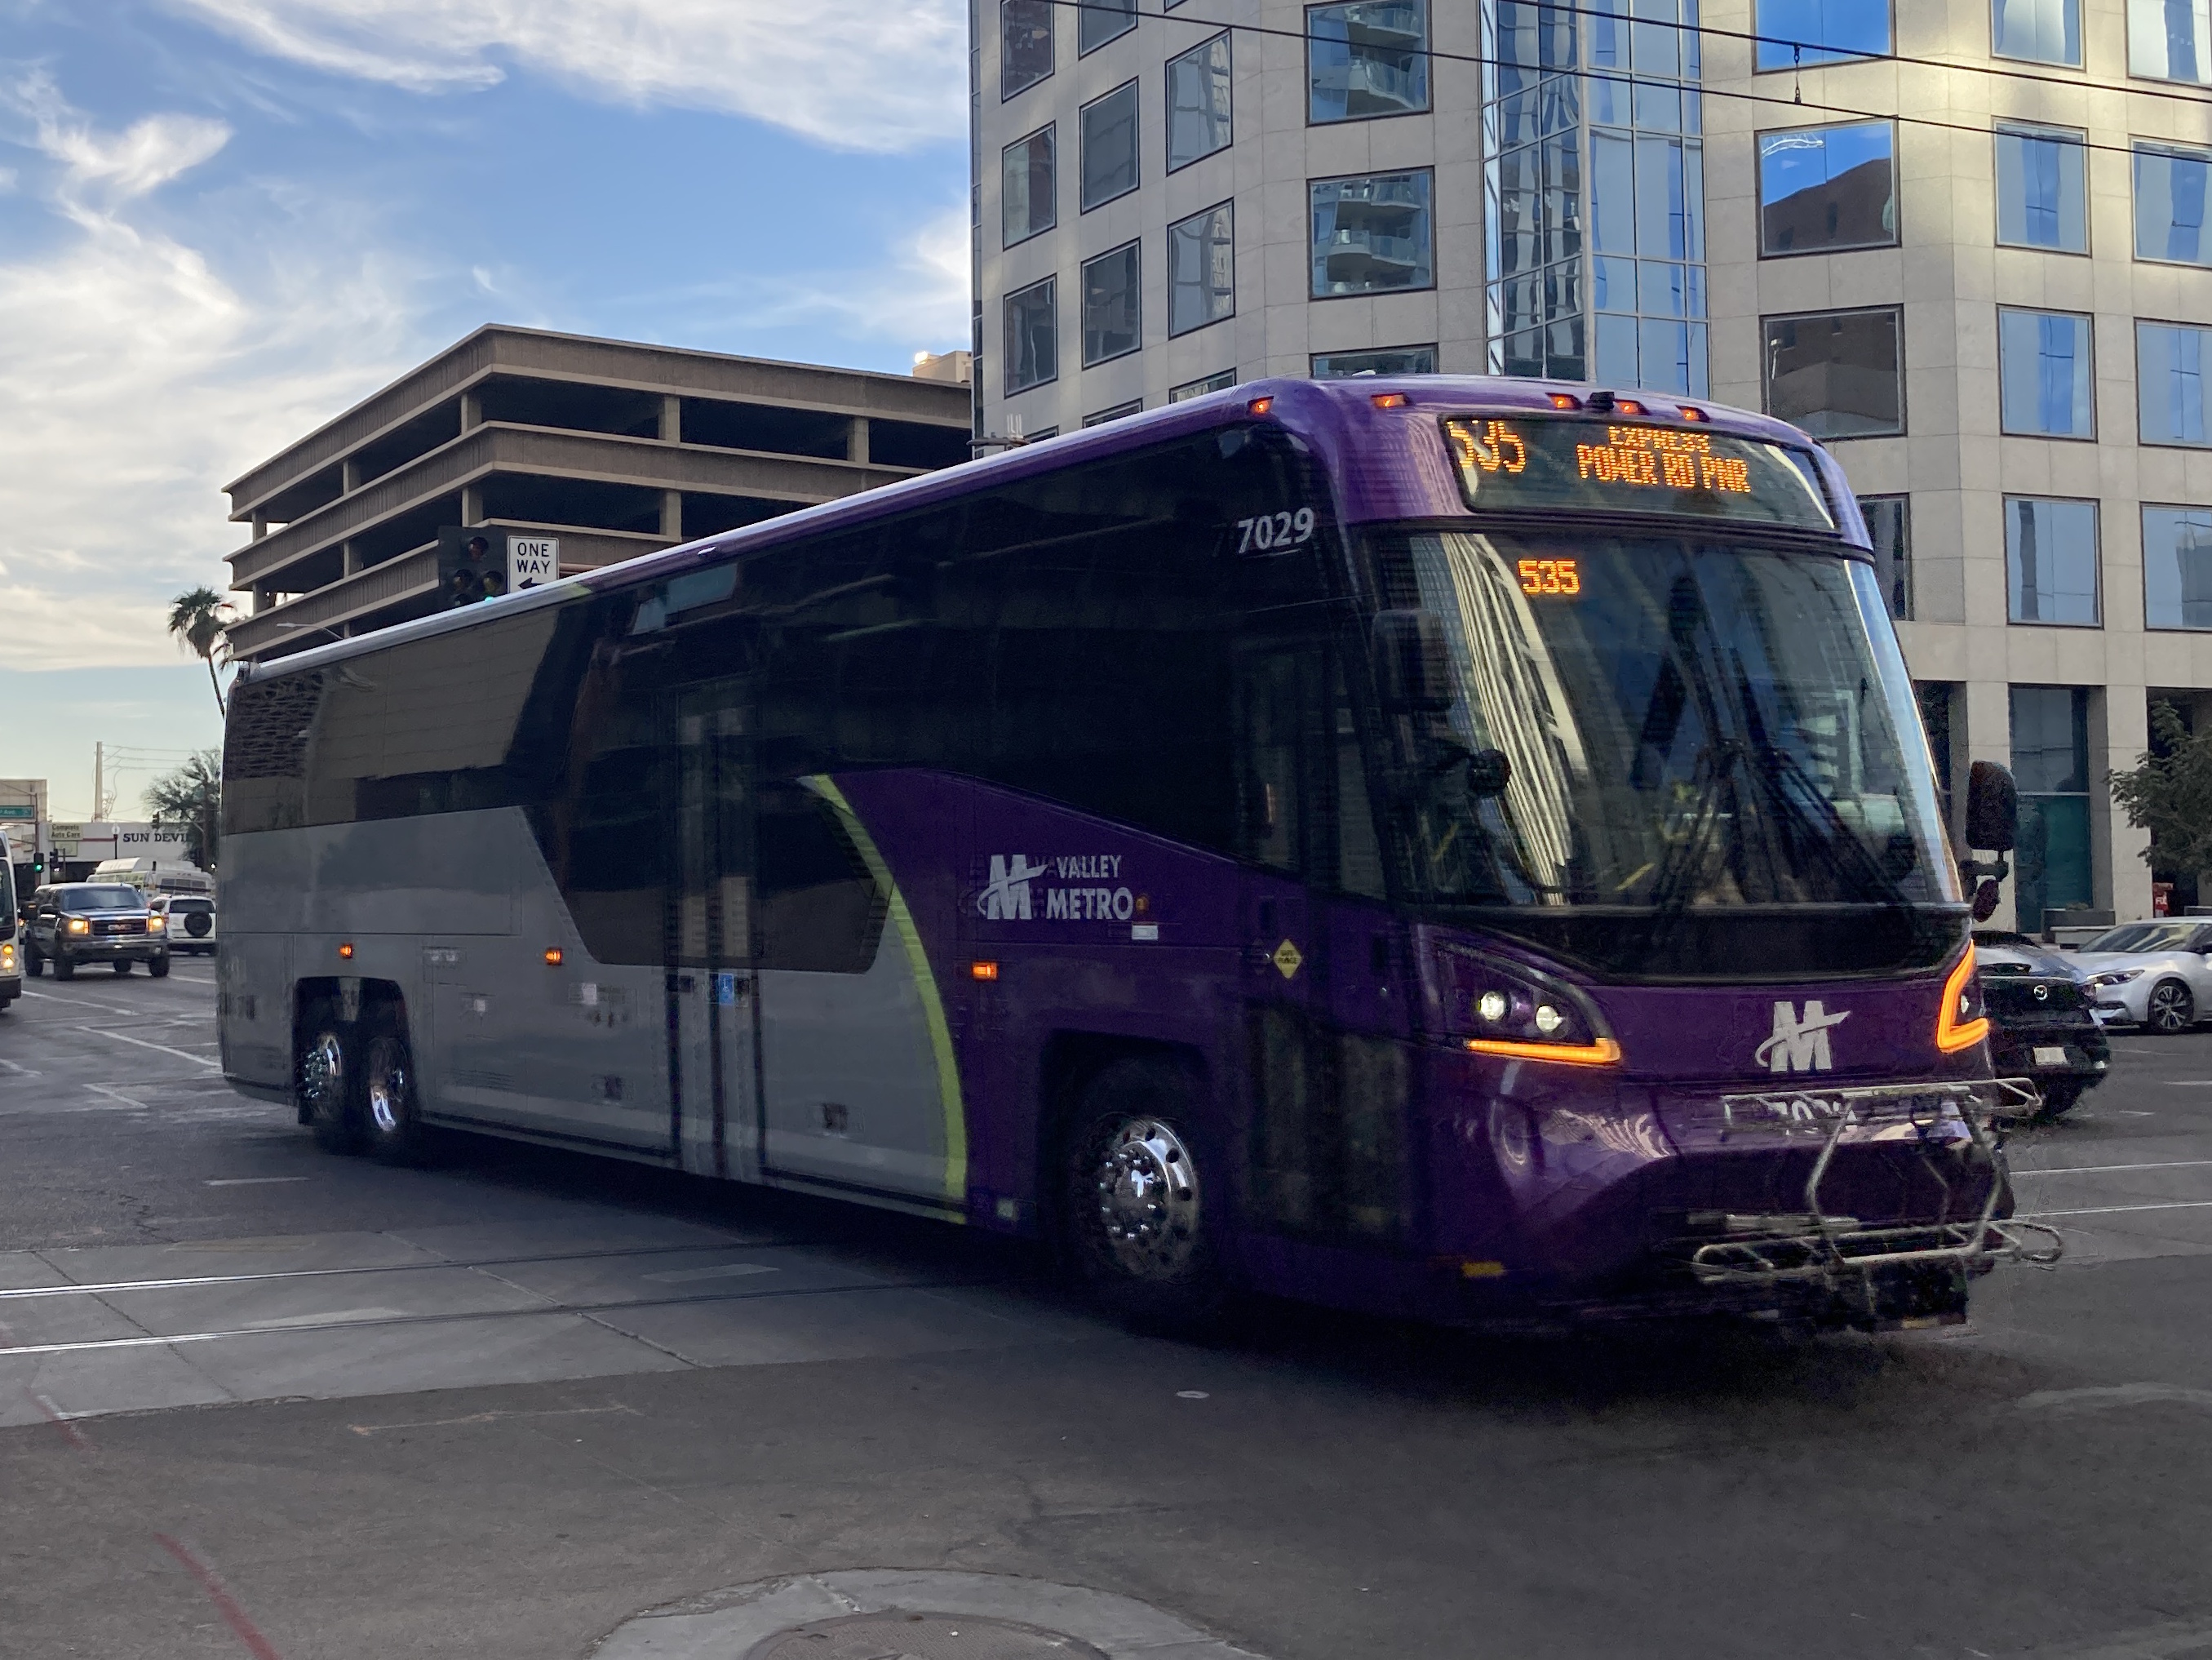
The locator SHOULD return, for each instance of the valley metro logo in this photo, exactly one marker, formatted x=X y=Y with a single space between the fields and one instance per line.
x=1006 y=899
x=1801 y=1045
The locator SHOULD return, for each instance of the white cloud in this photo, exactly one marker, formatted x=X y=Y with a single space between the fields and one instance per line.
x=918 y=297
x=868 y=75
x=136 y=379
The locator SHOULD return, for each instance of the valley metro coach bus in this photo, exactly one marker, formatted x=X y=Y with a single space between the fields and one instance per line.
x=1454 y=848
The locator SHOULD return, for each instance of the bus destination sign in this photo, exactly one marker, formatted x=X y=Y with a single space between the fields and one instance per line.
x=1615 y=466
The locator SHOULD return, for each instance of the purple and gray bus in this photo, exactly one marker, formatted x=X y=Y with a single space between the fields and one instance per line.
x=1454 y=848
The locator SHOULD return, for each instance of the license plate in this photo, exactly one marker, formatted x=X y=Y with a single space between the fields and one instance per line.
x=2051 y=1056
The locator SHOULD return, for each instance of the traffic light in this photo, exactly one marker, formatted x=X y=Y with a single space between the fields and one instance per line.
x=468 y=570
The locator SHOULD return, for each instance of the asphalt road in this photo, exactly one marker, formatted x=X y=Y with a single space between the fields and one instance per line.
x=504 y=1407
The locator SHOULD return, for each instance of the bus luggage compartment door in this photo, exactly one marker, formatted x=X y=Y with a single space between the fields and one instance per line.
x=713 y=1005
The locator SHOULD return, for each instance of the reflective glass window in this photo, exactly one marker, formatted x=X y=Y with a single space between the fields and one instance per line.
x=2050 y=561
x=1111 y=324
x=2042 y=188
x=1110 y=146
x=2044 y=373
x=1828 y=187
x=1366 y=59
x=1395 y=360
x=2177 y=567
x=1101 y=21
x=1838 y=375
x=1032 y=342
x=1220 y=382
x=1806 y=32
x=2170 y=186
x=2168 y=39
x=1372 y=234
x=2043 y=31
x=1199 y=102
x=1029 y=195
x=2051 y=761
x=1889 y=521
x=2170 y=364
x=1202 y=269
x=1024 y=44
x=1134 y=406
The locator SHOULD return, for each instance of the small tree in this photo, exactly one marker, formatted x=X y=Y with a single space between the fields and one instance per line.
x=2169 y=794
x=197 y=619
x=190 y=799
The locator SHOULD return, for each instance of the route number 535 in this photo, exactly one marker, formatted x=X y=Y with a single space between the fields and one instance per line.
x=1551 y=576
x=1267 y=531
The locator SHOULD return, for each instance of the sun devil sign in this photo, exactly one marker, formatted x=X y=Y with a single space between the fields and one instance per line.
x=1801 y=1045
x=532 y=561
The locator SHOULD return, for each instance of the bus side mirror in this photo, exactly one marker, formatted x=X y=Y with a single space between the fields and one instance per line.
x=1412 y=666
x=1993 y=807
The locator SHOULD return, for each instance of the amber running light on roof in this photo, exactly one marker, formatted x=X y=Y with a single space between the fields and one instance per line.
x=1565 y=400
x=1391 y=400
x=1259 y=406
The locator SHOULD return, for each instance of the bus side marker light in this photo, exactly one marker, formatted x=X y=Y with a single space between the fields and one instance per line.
x=1601 y=1052
x=1565 y=400
x=1953 y=1031
x=1391 y=400
x=1691 y=412
x=1259 y=406
x=554 y=956
x=982 y=971
x=1473 y=1270
x=1628 y=406
x=345 y=952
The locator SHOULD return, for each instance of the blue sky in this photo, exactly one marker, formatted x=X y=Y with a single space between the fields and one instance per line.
x=221 y=222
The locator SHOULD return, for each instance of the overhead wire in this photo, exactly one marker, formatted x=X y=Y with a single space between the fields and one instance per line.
x=1180 y=14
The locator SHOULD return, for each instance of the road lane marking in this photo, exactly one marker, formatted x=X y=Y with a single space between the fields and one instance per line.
x=20 y=1071
x=370 y=1317
x=124 y=1037
x=2104 y=1170
x=492 y=1417
x=129 y=1101
x=255 y=1181
x=82 y=1003
x=2117 y=1394
x=233 y=1615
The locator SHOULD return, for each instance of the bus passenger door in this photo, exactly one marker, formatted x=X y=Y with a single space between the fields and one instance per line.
x=713 y=997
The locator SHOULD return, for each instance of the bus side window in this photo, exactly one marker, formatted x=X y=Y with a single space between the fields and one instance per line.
x=820 y=910
x=1272 y=743
x=1358 y=853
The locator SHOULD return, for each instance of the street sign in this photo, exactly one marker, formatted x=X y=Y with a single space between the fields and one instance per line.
x=18 y=810
x=532 y=561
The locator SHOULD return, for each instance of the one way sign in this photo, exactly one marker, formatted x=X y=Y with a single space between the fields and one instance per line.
x=532 y=560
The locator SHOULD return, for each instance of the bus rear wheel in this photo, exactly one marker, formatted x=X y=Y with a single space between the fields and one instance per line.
x=328 y=1084
x=1140 y=1203
x=393 y=1127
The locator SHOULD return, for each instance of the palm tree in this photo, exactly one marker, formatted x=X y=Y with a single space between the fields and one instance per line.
x=197 y=620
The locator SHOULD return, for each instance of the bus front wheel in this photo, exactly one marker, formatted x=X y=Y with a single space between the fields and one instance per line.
x=1141 y=1203
x=328 y=1084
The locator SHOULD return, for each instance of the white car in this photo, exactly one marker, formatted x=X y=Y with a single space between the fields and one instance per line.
x=191 y=922
x=2158 y=974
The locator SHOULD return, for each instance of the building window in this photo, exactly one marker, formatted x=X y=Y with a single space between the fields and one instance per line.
x=1395 y=360
x=2050 y=561
x=1792 y=33
x=2167 y=40
x=1024 y=44
x=1202 y=269
x=1889 y=520
x=1111 y=324
x=2170 y=360
x=1828 y=187
x=1032 y=337
x=1134 y=406
x=1101 y=21
x=1199 y=102
x=1935 y=698
x=2044 y=373
x=1221 y=382
x=1367 y=59
x=2042 y=30
x=2177 y=567
x=2170 y=204
x=1838 y=375
x=2050 y=763
x=1028 y=194
x=2042 y=193
x=1372 y=234
x=1110 y=146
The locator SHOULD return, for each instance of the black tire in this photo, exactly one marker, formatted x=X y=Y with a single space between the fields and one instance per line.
x=391 y=1122
x=158 y=967
x=329 y=1081
x=122 y=965
x=2061 y=1098
x=2170 y=1011
x=64 y=969
x=1142 y=1199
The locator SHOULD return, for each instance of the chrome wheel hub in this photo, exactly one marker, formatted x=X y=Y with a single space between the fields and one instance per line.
x=386 y=1090
x=2165 y=1007
x=322 y=1072
x=1147 y=1194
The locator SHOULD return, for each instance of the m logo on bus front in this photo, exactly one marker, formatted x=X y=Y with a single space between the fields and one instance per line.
x=1006 y=898
x=1800 y=1044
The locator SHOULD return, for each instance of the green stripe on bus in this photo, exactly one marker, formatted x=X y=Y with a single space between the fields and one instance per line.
x=932 y=1005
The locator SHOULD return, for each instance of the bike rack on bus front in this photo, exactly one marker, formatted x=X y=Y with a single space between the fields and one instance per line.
x=1819 y=1246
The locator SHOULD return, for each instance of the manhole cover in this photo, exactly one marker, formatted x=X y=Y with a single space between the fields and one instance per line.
x=898 y=1636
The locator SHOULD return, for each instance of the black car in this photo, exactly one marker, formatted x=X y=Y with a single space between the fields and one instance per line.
x=77 y=924
x=2042 y=1017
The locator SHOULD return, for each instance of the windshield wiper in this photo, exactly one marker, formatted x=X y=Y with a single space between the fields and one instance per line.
x=1849 y=856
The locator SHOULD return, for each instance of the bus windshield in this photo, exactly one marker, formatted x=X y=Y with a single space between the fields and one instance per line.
x=1654 y=725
